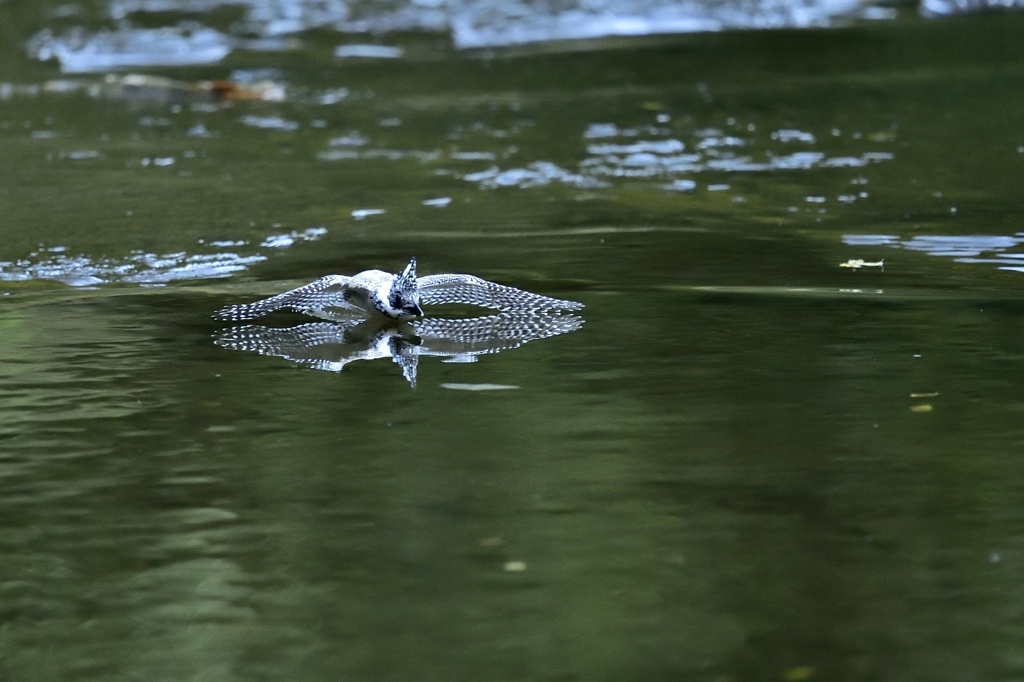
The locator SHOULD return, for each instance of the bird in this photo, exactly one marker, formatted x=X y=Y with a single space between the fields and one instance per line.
x=398 y=296
x=332 y=345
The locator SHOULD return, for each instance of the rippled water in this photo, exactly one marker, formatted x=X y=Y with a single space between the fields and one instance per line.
x=471 y=24
x=272 y=25
x=781 y=441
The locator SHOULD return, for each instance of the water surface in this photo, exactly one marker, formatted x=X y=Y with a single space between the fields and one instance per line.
x=749 y=462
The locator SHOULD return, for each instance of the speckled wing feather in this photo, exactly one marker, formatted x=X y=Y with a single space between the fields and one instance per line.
x=490 y=334
x=332 y=291
x=442 y=289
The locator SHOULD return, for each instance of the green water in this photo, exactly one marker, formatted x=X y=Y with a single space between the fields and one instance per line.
x=749 y=464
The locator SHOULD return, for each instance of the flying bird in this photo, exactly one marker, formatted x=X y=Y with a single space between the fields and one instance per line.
x=398 y=296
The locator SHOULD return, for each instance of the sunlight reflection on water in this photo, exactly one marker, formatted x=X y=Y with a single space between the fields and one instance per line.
x=184 y=45
x=961 y=248
x=655 y=156
x=472 y=24
x=650 y=158
x=143 y=268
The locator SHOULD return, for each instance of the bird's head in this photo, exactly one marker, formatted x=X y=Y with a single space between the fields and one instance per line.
x=404 y=296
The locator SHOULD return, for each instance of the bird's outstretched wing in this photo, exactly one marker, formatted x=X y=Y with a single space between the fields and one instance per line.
x=315 y=298
x=442 y=289
x=490 y=334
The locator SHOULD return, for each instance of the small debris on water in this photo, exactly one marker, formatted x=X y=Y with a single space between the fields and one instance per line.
x=134 y=86
x=515 y=566
x=858 y=263
x=926 y=407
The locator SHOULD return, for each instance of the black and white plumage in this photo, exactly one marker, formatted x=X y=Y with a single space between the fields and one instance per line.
x=332 y=345
x=395 y=296
x=471 y=290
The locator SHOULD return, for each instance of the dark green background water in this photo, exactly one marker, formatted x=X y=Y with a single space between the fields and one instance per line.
x=722 y=476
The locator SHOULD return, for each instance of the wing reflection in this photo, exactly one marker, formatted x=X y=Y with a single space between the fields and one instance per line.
x=332 y=345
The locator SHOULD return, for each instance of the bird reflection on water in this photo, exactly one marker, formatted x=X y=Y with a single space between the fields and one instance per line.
x=332 y=345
